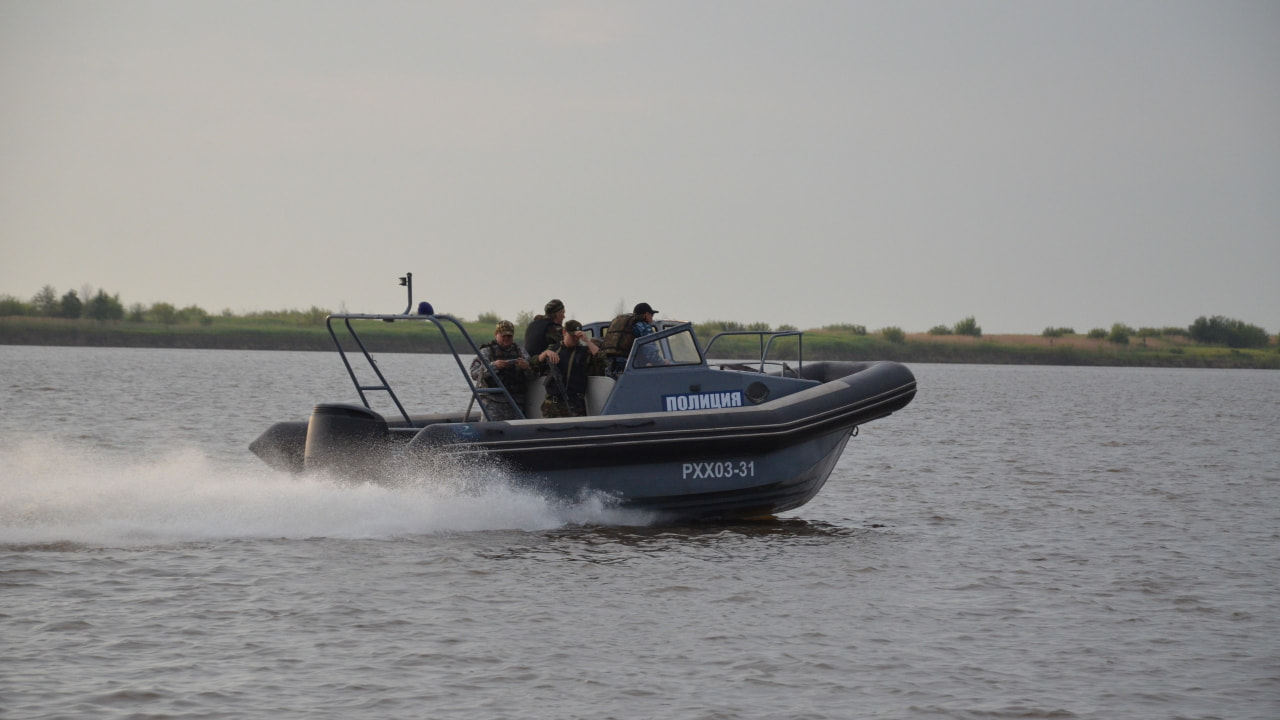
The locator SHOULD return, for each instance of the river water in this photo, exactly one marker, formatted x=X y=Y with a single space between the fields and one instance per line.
x=1019 y=542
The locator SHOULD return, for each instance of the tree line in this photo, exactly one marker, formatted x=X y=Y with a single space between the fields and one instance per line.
x=1216 y=330
x=98 y=306
x=101 y=306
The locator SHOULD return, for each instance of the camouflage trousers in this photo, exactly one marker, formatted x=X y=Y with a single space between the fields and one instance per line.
x=555 y=406
x=500 y=409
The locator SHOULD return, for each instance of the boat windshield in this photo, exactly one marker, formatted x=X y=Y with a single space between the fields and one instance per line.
x=684 y=351
x=678 y=348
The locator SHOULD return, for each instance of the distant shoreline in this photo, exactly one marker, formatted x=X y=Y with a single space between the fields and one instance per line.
x=1072 y=350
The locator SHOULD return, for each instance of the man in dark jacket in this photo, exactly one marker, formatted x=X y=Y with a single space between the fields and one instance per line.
x=567 y=366
x=544 y=330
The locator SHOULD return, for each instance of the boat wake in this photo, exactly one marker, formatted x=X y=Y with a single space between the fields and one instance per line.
x=57 y=496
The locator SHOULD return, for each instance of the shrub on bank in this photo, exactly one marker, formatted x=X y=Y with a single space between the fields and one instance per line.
x=847 y=327
x=968 y=326
x=11 y=306
x=1120 y=334
x=1219 y=330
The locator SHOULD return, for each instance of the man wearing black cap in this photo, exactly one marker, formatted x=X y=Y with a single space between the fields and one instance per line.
x=544 y=330
x=622 y=334
x=567 y=366
x=644 y=312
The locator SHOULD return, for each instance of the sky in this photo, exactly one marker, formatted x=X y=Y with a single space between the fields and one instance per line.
x=910 y=164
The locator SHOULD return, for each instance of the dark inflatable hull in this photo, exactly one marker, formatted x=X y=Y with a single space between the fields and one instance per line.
x=739 y=462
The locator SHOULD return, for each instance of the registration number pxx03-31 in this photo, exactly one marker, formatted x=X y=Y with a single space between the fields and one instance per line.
x=724 y=469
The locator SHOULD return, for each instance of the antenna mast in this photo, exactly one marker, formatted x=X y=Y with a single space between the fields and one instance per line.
x=407 y=282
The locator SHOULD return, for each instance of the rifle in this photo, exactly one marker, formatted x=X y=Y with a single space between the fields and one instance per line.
x=553 y=369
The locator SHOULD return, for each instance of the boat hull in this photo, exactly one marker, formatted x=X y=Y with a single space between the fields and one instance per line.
x=738 y=485
x=700 y=464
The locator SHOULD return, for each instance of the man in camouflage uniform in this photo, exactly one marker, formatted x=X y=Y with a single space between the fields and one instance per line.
x=567 y=366
x=544 y=331
x=512 y=365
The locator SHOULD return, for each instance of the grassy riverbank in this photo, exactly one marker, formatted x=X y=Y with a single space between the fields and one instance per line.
x=257 y=334
x=1038 y=350
x=215 y=334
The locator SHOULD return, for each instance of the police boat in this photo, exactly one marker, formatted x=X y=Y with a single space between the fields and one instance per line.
x=674 y=434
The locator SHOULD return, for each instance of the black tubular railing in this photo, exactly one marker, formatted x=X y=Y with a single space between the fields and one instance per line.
x=765 y=345
x=384 y=386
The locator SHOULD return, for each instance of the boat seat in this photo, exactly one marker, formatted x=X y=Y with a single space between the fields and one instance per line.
x=599 y=388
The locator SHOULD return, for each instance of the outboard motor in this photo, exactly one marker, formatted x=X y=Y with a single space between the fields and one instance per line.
x=344 y=439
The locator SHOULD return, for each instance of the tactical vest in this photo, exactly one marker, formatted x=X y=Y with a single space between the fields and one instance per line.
x=572 y=371
x=512 y=377
x=542 y=333
x=620 y=336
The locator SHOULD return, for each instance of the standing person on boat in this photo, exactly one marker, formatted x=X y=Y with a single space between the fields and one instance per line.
x=513 y=367
x=544 y=331
x=567 y=365
x=622 y=334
